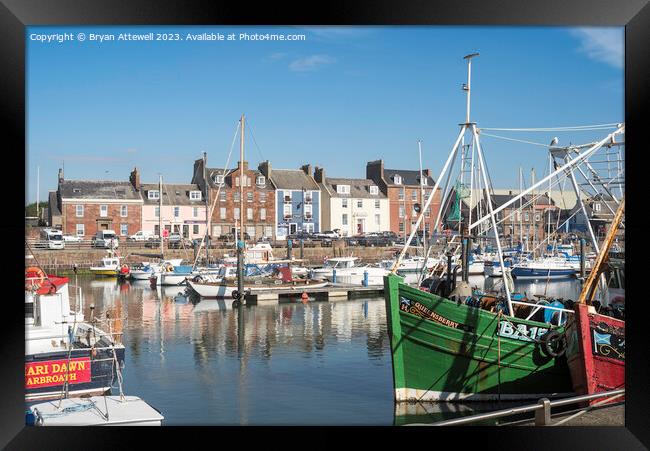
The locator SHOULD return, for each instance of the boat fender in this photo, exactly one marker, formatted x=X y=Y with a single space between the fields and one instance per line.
x=235 y=294
x=554 y=343
x=198 y=278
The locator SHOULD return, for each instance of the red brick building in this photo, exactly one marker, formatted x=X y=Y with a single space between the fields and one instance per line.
x=404 y=189
x=88 y=206
x=259 y=199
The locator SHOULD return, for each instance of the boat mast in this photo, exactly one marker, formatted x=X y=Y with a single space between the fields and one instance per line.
x=548 y=226
x=424 y=226
x=38 y=183
x=207 y=206
x=521 y=212
x=160 y=229
x=240 y=243
x=532 y=178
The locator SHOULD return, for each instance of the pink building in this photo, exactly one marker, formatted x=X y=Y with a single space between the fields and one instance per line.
x=183 y=209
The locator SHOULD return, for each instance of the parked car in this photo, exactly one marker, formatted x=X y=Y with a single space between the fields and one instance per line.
x=52 y=239
x=231 y=237
x=328 y=234
x=153 y=243
x=106 y=239
x=71 y=238
x=378 y=239
x=305 y=236
x=142 y=235
x=176 y=241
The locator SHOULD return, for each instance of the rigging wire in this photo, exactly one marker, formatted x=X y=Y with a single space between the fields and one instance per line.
x=254 y=140
x=557 y=129
x=513 y=139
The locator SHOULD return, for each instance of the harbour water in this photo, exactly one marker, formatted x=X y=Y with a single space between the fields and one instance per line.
x=318 y=363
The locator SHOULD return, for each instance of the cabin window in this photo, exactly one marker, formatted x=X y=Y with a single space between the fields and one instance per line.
x=262 y=214
x=343 y=189
x=344 y=219
x=344 y=203
x=261 y=180
x=377 y=204
x=195 y=195
x=222 y=213
x=80 y=211
x=360 y=203
x=103 y=211
x=124 y=229
x=81 y=230
x=153 y=194
x=374 y=190
x=177 y=212
x=397 y=179
x=124 y=211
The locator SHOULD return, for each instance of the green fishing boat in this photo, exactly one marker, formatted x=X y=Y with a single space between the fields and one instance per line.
x=448 y=351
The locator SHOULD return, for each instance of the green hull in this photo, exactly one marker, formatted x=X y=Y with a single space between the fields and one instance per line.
x=444 y=351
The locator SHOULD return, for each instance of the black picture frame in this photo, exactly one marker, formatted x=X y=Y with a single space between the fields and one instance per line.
x=15 y=15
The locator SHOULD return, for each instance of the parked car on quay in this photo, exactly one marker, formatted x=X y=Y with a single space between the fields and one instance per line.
x=106 y=239
x=378 y=239
x=52 y=239
x=176 y=241
x=71 y=238
x=230 y=237
x=142 y=235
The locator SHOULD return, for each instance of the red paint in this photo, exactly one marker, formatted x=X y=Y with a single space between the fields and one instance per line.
x=590 y=372
x=52 y=284
x=54 y=372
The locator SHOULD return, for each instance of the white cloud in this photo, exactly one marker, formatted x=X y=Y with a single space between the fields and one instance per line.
x=311 y=63
x=602 y=44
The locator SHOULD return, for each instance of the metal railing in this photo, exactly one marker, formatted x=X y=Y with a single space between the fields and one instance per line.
x=542 y=410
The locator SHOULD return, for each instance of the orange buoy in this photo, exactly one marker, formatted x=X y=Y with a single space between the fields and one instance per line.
x=304 y=297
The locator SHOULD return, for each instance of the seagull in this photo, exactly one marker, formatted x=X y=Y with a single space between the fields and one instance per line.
x=554 y=141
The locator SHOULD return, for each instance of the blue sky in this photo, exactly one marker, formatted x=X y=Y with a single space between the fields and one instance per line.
x=341 y=97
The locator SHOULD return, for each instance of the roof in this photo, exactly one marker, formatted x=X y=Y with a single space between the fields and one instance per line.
x=409 y=178
x=293 y=179
x=54 y=205
x=97 y=189
x=211 y=172
x=359 y=188
x=173 y=194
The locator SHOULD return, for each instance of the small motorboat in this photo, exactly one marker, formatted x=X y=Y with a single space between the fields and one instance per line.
x=109 y=266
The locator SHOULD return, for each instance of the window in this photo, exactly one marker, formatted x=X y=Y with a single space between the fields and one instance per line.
x=80 y=210
x=124 y=229
x=597 y=207
x=262 y=196
x=216 y=230
x=343 y=189
x=236 y=196
x=427 y=194
x=287 y=210
x=401 y=211
x=537 y=217
x=414 y=213
x=222 y=213
x=401 y=194
x=374 y=190
x=377 y=221
x=236 y=181
x=397 y=179
x=249 y=214
x=262 y=214
x=153 y=194
x=157 y=212
x=344 y=203
x=423 y=182
x=177 y=228
x=195 y=212
x=248 y=183
x=177 y=212
x=526 y=217
x=344 y=219
x=250 y=230
x=156 y=230
x=249 y=197
x=308 y=209
x=427 y=213
x=222 y=196
x=195 y=195
x=360 y=203
x=195 y=229
x=261 y=180
x=401 y=227
x=237 y=213
x=124 y=211
x=377 y=204
x=81 y=230
x=103 y=211
x=414 y=194
x=268 y=231
x=218 y=179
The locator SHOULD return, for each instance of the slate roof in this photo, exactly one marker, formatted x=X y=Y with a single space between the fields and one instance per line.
x=293 y=179
x=173 y=194
x=359 y=188
x=500 y=199
x=409 y=178
x=97 y=189
x=229 y=183
x=54 y=204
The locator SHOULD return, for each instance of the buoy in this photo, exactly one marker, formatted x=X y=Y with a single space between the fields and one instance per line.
x=304 y=296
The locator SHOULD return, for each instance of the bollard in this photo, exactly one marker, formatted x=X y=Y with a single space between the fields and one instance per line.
x=334 y=276
x=365 y=278
x=543 y=415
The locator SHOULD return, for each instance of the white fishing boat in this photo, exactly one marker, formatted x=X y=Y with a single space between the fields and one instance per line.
x=109 y=266
x=546 y=268
x=95 y=411
x=149 y=269
x=347 y=270
x=60 y=345
x=411 y=264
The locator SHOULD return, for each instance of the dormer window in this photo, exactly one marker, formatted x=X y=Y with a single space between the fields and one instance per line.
x=374 y=190
x=217 y=179
x=343 y=189
x=423 y=181
x=260 y=180
x=397 y=179
x=195 y=195
x=76 y=190
x=153 y=194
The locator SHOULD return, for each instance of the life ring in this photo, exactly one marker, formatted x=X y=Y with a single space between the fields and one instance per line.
x=554 y=343
x=169 y=267
x=32 y=273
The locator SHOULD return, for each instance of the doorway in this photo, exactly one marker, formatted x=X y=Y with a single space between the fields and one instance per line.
x=361 y=223
x=293 y=227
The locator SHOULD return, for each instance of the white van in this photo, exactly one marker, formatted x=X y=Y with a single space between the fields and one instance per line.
x=52 y=239
x=142 y=235
x=106 y=238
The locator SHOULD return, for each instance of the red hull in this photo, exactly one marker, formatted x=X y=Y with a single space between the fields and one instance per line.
x=596 y=352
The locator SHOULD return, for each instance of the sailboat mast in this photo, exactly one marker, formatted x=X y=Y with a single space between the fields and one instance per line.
x=521 y=212
x=424 y=226
x=241 y=180
x=160 y=229
x=207 y=207
x=38 y=188
x=532 y=176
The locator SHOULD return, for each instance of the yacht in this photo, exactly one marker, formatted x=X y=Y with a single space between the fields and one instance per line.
x=348 y=270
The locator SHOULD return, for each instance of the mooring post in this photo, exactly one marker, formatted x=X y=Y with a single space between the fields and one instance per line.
x=333 y=275
x=582 y=258
x=289 y=249
x=365 y=278
x=543 y=415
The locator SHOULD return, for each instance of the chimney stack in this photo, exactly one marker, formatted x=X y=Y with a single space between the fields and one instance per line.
x=265 y=168
x=135 y=179
x=306 y=168
x=60 y=175
x=375 y=170
x=319 y=175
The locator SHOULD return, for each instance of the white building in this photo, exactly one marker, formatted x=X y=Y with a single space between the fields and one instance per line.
x=353 y=206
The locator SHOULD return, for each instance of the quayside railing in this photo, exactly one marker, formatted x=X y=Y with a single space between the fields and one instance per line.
x=542 y=410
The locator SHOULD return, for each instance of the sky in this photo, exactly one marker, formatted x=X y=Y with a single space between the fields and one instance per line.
x=337 y=99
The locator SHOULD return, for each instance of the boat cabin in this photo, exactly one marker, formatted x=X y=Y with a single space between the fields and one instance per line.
x=341 y=262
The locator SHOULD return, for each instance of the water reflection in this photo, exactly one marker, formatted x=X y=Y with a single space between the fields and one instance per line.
x=292 y=363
